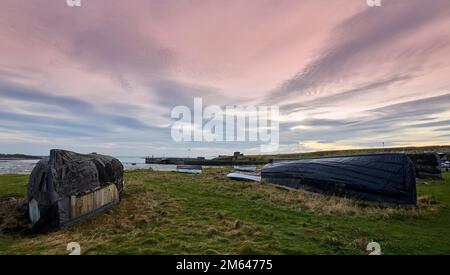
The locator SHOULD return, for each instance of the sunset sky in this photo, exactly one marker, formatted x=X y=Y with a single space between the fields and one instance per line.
x=105 y=76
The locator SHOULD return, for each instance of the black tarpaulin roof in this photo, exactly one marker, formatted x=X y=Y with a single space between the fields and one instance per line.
x=376 y=177
x=64 y=174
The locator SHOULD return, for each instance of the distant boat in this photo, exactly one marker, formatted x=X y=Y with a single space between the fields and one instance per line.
x=191 y=169
x=244 y=176
x=427 y=165
x=378 y=177
x=245 y=168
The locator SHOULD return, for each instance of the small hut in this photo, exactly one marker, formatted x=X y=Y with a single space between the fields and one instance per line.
x=66 y=188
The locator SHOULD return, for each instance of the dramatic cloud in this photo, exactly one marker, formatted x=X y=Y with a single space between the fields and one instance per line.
x=373 y=38
x=104 y=77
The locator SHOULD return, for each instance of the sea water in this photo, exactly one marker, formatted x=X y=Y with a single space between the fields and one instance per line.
x=22 y=166
x=17 y=166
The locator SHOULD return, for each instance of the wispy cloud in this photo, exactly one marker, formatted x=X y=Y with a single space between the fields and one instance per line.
x=105 y=76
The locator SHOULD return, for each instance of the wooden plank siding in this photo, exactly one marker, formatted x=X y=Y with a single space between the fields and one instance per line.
x=85 y=204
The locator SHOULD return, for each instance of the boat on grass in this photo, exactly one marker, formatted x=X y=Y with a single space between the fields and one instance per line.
x=191 y=169
x=377 y=177
x=245 y=168
x=244 y=176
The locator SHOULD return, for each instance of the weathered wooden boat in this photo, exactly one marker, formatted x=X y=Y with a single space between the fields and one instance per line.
x=244 y=176
x=378 y=177
x=66 y=188
x=191 y=169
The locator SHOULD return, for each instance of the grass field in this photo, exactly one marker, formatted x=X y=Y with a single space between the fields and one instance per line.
x=171 y=213
x=412 y=149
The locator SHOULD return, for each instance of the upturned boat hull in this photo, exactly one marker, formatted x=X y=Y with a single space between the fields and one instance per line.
x=379 y=177
x=244 y=176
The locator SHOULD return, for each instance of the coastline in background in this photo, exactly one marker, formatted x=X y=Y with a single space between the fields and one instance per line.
x=25 y=166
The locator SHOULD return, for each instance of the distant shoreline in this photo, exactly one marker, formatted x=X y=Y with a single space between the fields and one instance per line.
x=19 y=157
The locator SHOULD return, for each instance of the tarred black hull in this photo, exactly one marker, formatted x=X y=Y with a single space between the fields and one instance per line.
x=379 y=177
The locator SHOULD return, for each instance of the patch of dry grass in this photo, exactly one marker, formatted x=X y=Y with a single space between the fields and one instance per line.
x=124 y=221
x=13 y=219
x=301 y=200
x=171 y=213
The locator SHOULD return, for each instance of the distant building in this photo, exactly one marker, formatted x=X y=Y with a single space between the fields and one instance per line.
x=237 y=155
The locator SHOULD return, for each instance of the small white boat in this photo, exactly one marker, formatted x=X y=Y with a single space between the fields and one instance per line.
x=245 y=168
x=445 y=164
x=191 y=169
x=241 y=176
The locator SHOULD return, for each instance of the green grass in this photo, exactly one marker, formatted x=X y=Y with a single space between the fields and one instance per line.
x=13 y=185
x=171 y=213
x=411 y=149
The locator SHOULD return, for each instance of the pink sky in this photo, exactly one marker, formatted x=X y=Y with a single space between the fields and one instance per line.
x=104 y=76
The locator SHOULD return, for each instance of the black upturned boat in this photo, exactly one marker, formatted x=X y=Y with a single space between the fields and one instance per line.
x=378 y=177
x=66 y=188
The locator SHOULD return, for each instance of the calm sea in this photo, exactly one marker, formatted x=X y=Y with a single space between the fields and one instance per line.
x=129 y=163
